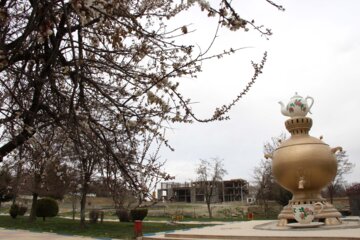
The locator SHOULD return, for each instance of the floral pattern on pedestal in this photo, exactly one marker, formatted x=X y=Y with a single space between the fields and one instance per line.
x=304 y=212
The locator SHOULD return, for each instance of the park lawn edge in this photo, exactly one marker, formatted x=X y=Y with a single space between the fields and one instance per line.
x=64 y=226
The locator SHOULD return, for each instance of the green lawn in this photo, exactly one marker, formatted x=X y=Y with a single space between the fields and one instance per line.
x=105 y=230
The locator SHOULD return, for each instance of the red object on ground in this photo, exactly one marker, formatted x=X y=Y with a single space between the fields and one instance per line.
x=138 y=228
x=250 y=216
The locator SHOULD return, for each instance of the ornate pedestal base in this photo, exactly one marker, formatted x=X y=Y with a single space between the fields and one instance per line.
x=329 y=215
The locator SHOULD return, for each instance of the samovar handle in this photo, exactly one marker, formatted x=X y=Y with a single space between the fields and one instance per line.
x=335 y=149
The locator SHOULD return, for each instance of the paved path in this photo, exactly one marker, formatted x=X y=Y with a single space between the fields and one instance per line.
x=28 y=235
x=248 y=231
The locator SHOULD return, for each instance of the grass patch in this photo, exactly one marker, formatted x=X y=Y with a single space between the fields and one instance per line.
x=100 y=230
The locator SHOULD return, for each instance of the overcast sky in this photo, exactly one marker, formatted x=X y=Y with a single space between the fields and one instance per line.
x=315 y=51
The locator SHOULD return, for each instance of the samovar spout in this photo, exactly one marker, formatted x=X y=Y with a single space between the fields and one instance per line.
x=301 y=183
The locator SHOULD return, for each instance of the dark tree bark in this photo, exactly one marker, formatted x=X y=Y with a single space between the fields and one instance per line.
x=32 y=216
x=84 y=192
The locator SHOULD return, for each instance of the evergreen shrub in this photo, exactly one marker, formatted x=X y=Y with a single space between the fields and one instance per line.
x=46 y=207
x=138 y=213
x=14 y=210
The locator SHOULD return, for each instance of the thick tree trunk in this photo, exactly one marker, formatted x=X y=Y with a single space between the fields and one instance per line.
x=37 y=181
x=82 y=208
x=29 y=121
x=32 y=216
x=83 y=203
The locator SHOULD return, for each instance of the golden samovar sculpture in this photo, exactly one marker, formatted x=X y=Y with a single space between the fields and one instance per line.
x=303 y=164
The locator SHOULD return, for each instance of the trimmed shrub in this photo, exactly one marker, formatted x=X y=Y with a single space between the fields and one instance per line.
x=123 y=215
x=46 y=207
x=138 y=213
x=94 y=215
x=22 y=210
x=14 y=210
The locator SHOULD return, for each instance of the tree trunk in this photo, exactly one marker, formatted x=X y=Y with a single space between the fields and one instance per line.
x=32 y=216
x=208 y=203
x=266 y=209
x=18 y=175
x=37 y=181
x=73 y=207
x=83 y=203
x=209 y=210
x=82 y=208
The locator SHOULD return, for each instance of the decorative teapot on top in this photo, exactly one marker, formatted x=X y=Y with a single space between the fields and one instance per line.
x=297 y=106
